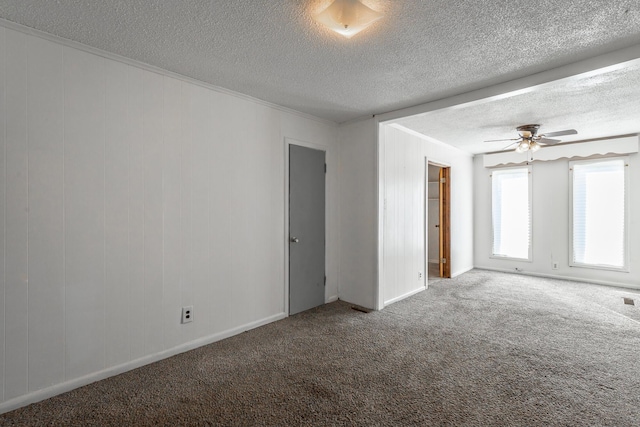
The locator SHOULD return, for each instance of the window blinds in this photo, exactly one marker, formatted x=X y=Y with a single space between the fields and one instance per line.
x=511 y=212
x=598 y=213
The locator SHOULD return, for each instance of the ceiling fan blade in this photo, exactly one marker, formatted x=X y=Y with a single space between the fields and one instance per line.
x=509 y=146
x=546 y=141
x=560 y=133
x=500 y=140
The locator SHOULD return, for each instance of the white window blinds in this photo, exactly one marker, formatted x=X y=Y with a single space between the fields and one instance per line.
x=599 y=213
x=511 y=198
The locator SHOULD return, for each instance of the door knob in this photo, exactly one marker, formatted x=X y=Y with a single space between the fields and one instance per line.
x=294 y=240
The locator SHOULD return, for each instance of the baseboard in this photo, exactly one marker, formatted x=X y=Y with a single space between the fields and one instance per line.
x=333 y=298
x=407 y=295
x=66 y=386
x=560 y=277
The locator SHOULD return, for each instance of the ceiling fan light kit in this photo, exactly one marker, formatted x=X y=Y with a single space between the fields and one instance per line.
x=534 y=146
x=347 y=17
x=527 y=145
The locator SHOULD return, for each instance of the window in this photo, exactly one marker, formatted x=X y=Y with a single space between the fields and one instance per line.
x=599 y=213
x=511 y=211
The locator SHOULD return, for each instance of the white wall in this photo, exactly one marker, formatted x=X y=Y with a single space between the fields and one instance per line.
x=550 y=225
x=403 y=184
x=404 y=156
x=127 y=194
x=358 y=207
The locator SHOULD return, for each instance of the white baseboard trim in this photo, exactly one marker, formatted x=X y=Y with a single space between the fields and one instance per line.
x=560 y=277
x=332 y=298
x=407 y=295
x=45 y=393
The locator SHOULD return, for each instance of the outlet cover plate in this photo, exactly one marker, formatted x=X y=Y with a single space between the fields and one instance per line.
x=187 y=314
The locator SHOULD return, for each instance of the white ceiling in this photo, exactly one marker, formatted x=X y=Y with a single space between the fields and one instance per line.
x=421 y=51
x=598 y=104
x=271 y=49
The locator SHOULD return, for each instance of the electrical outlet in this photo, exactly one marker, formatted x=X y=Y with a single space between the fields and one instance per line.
x=555 y=265
x=187 y=314
x=419 y=275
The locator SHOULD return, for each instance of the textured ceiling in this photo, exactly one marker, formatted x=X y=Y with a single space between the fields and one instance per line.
x=422 y=50
x=597 y=105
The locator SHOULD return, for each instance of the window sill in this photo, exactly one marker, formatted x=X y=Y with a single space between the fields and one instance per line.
x=507 y=258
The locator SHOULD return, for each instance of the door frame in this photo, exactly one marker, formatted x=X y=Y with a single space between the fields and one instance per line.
x=445 y=222
x=287 y=142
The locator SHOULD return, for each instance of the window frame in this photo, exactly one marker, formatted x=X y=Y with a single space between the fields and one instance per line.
x=529 y=258
x=572 y=263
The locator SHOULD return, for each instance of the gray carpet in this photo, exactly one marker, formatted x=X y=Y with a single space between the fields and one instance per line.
x=481 y=349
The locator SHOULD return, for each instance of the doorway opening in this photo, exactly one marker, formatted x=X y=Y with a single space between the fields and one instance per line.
x=438 y=221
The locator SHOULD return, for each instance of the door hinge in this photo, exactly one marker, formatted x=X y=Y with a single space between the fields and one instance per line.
x=443 y=260
x=325 y=168
x=443 y=180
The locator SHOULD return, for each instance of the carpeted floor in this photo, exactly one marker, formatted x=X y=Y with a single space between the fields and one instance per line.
x=481 y=349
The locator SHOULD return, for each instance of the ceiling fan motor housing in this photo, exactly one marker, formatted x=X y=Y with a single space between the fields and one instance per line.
x=528 y=131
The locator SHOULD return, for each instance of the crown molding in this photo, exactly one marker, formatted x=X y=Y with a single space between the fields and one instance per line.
x=152 y=68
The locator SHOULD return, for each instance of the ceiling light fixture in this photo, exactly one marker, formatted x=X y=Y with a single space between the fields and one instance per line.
x=347 y=17
x=527 y=144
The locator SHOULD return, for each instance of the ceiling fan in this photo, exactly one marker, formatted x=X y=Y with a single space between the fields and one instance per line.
x=530 y=140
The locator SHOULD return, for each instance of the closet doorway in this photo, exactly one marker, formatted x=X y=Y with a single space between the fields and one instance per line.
x=438 y=221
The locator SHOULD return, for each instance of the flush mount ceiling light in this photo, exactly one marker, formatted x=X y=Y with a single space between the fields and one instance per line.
x=347 y=17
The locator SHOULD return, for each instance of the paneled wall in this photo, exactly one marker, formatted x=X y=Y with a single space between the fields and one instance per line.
x=126 y=194
x=403 y=174
x=402 y=180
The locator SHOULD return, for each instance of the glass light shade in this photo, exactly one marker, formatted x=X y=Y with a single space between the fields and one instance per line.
x=523 y=146
x=347 y=17
x=534 y=146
